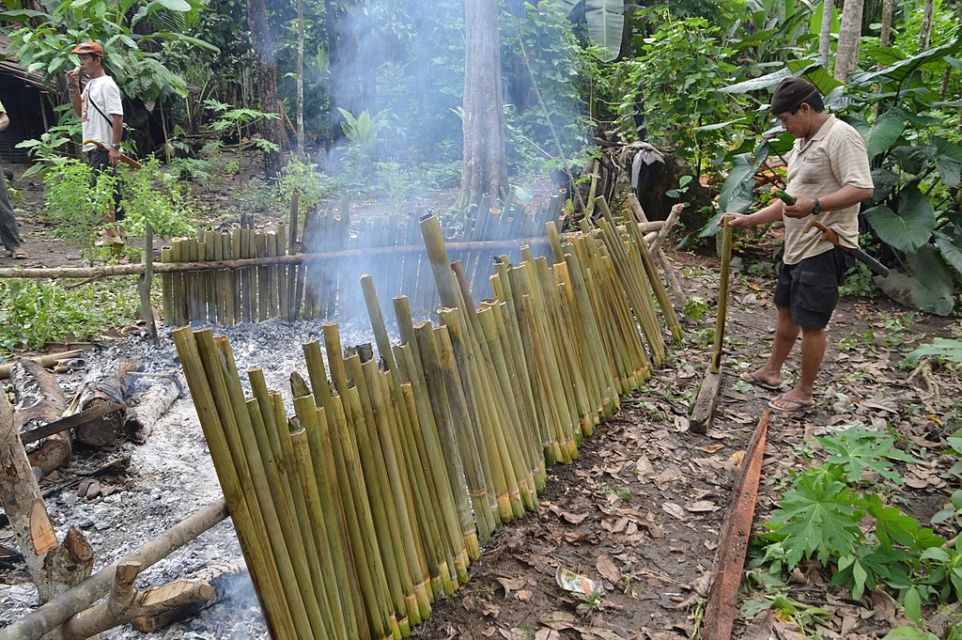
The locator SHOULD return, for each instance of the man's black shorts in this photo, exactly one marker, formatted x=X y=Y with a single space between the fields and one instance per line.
x=810 y=288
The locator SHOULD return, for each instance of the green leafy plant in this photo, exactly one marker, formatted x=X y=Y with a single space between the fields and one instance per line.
x=695 y=308
x=943 y=348
x=36 y=313
x=74 y=202
x=858 y=450
x=52 y=145
x=150 y=195
x=239 y=123
x=312 y=186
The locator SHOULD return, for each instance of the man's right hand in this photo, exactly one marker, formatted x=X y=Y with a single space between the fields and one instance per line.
x=73 y=79
x=737 y=220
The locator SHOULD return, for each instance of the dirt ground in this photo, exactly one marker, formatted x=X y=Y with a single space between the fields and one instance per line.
x=639 y=512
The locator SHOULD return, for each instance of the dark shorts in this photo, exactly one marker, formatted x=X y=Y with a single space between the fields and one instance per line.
x=810 y=288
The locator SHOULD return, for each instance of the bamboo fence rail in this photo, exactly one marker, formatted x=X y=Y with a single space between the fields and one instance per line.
x=370 y=502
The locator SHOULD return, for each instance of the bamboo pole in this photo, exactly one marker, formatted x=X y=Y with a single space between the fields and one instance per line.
x=236 y=485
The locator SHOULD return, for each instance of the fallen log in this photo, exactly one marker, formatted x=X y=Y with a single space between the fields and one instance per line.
x=151 y=406
x=40 y=399
x=221 y=578
x=68 y=604
x=53 y=567
x=125 y=604
x=103 y=385
x=47 y=360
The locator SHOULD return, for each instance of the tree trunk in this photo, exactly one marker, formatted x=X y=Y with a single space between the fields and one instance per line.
x=300 y=78
x=266 y=74
x=152 y=404
x=885 y=37
x=925 y=31
x=21 y=499
x=485 y=169
x=103 y=385
x=825 y=36
x=39 y=399
x=846 y=55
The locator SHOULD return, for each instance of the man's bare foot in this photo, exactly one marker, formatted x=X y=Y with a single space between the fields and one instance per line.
x=764 y=379
x=18 y=254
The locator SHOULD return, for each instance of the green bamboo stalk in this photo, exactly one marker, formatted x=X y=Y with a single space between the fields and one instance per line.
x=246 y=517
x=300 y=595
x=380 y=496
x=333 y=583
x=726 y=259
x=436 y=465
x=296 y=527
x=356 y=508
x=332 y=507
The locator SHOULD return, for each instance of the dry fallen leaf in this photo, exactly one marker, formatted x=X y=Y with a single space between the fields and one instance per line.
x=702 y=506
x=567 y=516
x=713 y=448
x=674 y=510
x=608 y=569
x=644 y=468
x=557 y=620
x=509 y=584
x=523 y=595
x=547 y=634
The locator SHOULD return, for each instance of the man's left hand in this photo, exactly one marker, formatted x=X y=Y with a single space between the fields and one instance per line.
x=114 y=156
x=802 y=207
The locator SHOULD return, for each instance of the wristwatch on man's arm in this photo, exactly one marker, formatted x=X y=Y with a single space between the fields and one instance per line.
x=817 y=207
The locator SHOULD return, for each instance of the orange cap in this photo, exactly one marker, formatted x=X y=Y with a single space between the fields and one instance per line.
x=89 y=47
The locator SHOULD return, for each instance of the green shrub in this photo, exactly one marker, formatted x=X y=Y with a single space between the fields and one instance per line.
x=34 y=313
x=150 y=195
x=76 y=204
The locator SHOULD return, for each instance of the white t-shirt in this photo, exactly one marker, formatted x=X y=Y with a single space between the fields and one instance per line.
x=104 y=93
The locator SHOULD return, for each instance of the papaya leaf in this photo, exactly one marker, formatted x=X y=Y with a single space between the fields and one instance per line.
x=819 y=516
x=858 y=450
x=885 y=132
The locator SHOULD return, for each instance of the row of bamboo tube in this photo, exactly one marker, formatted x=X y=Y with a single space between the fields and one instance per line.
x=324 y=290
x=369 y=503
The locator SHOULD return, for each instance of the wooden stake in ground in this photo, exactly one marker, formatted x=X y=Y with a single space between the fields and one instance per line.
x=703 y=409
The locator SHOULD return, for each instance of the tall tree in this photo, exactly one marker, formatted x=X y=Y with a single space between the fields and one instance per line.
x=846 y=56
x=485 y=167
x=266 y=77
x=825 y=36
x=925 y=31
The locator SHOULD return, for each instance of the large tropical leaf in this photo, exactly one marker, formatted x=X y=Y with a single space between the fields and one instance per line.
x=761 y=82
x=951 y=252
x=948 y=160
x=903 y=68
x=908 y=229
x=885 y=132
x=606 y=23
x=816 y=74
x=738 y=191
x=932 y=292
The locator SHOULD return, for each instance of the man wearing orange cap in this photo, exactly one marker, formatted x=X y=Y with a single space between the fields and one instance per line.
x=100 y=109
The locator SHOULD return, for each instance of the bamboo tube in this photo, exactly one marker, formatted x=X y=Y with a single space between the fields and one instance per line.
x=259 y=250
x=195 y=312
x=380 y=496
x=280 y=249
x=494 y=402
x=335 y=357
x=229 y=281
x=296 y=528
x=332 y=581
x=603 y=362
x=625 y=330
x=315 y=370
x=572 y=376
x=332 y=508
x=438 y=257
x=436 y=462
x=381 y=619
x=591 y=407
x=246 y=518
x=664 y=301
x=461 y=461
x=166 y=287
x=490 y=441
x=521 y=382
x=242 y=244
x=581 y=323
x=527 y=373
x=380 y=535
x=567 y=420
x=387 y=422
x=726 y=259
x=204 y=290
x=507 y=388
x=236 y=252
x=307 y=617
x=180 y=291
x=217 y=307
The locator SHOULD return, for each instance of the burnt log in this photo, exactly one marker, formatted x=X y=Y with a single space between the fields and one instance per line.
x=151 y=405
x=103 y=385
x=39 y=399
